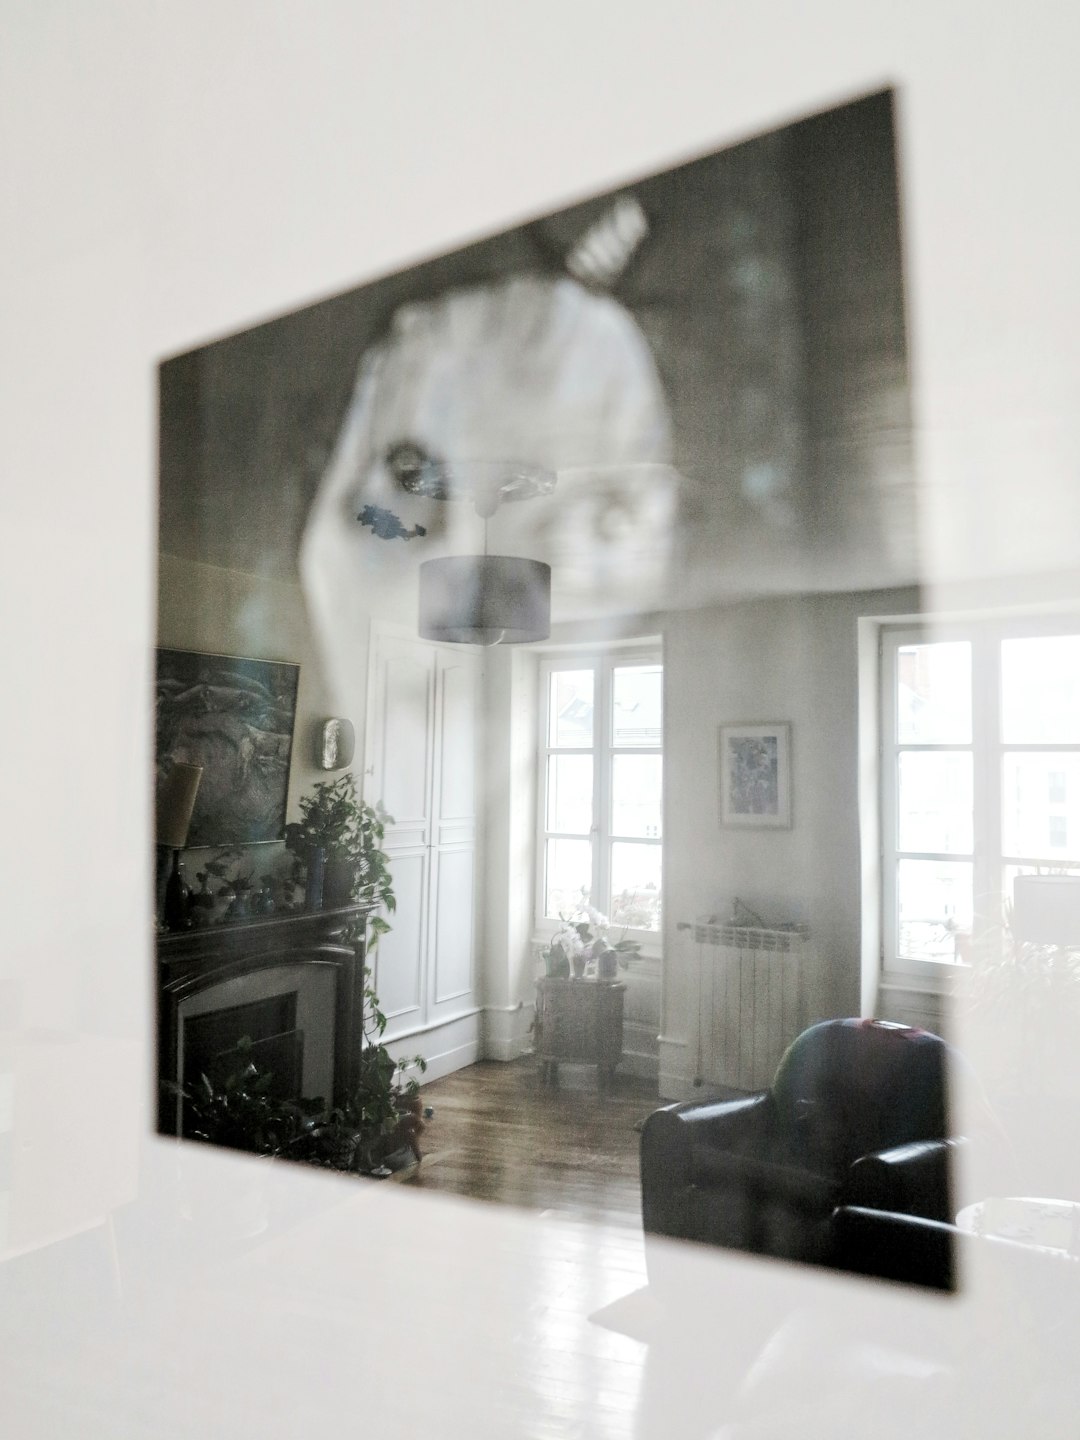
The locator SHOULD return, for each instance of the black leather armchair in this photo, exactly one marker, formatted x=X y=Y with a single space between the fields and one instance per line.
x=856 y=1116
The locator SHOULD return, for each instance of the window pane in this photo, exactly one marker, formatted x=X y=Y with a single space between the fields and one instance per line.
x=568 y=871
x=933 y=697
x=570 y=794
x=1040 y=805
x=636 y=782
x=1040 y=690
x=935 y=904
x=935 y=809
x=635 y=885
x=570 y=709
x=636 y=717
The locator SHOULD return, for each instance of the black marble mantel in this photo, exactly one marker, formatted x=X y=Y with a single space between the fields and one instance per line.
x=191 y=961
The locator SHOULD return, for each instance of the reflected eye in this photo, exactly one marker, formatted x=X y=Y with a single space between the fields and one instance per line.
x=415 y=470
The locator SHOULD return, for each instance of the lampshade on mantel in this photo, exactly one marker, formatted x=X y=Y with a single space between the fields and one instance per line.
x=1046 y=909
x=485 y=600
x=175 y=803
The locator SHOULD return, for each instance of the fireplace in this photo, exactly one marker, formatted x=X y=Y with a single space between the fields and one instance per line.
x=210 y=1043
x=290 y=984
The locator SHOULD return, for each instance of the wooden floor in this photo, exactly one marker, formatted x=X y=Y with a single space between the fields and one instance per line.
x=498 y=1134
x=570 y=1154
x=536 y=1323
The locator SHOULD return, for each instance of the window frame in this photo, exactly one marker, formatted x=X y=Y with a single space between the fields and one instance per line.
x=603 y=663
x=989 y=750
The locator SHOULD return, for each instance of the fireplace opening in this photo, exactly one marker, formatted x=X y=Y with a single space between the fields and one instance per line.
x=290 y=1003
x=211 y=1044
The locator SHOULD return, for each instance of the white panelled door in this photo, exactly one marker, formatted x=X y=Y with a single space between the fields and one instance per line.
x=421 y=748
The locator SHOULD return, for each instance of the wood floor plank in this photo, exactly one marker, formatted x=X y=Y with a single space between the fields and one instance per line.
x=498 y=1135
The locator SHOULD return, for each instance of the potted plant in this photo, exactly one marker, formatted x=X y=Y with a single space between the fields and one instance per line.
x=232 y=866
x=347 y=834
x=582 y=943
x=238 y=1108
x=381 y=1117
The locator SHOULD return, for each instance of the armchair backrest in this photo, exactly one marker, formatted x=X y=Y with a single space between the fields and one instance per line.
x=845 y=1088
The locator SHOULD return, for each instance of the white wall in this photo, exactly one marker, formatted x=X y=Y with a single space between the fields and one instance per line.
x=173 y=172
x=796 y=660
x=508 y=776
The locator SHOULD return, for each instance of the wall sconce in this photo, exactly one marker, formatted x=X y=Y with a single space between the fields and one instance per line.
x=335 y=741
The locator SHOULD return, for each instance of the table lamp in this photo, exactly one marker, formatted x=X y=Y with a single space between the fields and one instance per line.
x=1046 y=910
x=175 y=803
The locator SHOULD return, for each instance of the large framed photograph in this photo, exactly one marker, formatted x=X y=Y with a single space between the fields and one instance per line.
x=755 y=775
x=235 y=718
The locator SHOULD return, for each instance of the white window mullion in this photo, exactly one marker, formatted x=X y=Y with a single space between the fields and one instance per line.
x=890 y=787
x=895 y=746
x=602 y=791
x=1009 y=810
x=986 y=738
x=602 y=666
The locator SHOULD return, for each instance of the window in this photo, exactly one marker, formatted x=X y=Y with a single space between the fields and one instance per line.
x=980 y=780
x=601 y=786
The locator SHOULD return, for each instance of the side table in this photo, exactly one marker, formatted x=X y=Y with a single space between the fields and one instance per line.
x=579 y=1021
x=1048 y=1224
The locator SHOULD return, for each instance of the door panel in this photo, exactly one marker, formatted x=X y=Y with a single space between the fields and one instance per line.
x=399 y=978
x=424 y=717
x=457 y=680
x=452 y=947
x=402 y=759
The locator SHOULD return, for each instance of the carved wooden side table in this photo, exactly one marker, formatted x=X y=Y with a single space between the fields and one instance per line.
x=579 y=1021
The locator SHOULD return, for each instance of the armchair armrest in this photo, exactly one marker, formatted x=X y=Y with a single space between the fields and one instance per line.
x=673 y=1140
x=914 y=1179
x=893 y=1246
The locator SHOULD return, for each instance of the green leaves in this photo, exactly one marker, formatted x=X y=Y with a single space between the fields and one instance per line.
x=239 y=1110
x=346 y=828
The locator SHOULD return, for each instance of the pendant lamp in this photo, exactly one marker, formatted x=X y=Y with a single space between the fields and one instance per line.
x=480 y=599
x=485 y=600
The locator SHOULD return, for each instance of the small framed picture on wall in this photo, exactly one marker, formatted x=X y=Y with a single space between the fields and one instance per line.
x=755 y=775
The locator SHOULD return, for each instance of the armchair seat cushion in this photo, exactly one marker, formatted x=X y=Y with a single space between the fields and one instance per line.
x=790 y=1184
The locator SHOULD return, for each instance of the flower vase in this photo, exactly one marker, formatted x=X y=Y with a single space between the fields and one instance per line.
x=339 y=882
x=316 y=870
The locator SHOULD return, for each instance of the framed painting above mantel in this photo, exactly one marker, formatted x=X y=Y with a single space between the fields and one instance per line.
x=755 y=775
x=235 y=717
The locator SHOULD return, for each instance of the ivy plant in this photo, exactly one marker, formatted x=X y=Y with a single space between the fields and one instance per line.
x=344 y=827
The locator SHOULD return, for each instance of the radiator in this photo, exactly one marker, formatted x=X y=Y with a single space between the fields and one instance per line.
x=751 y=1000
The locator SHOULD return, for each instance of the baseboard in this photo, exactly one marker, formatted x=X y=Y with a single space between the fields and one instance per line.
x=496 y=1049
x=507 y=1031
x=676 y=1081
x=639 y=1055
x=644 y=1067
x=447 y=1061
x=446 y=1047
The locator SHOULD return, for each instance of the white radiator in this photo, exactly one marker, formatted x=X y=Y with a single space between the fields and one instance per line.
x=751 y=1000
